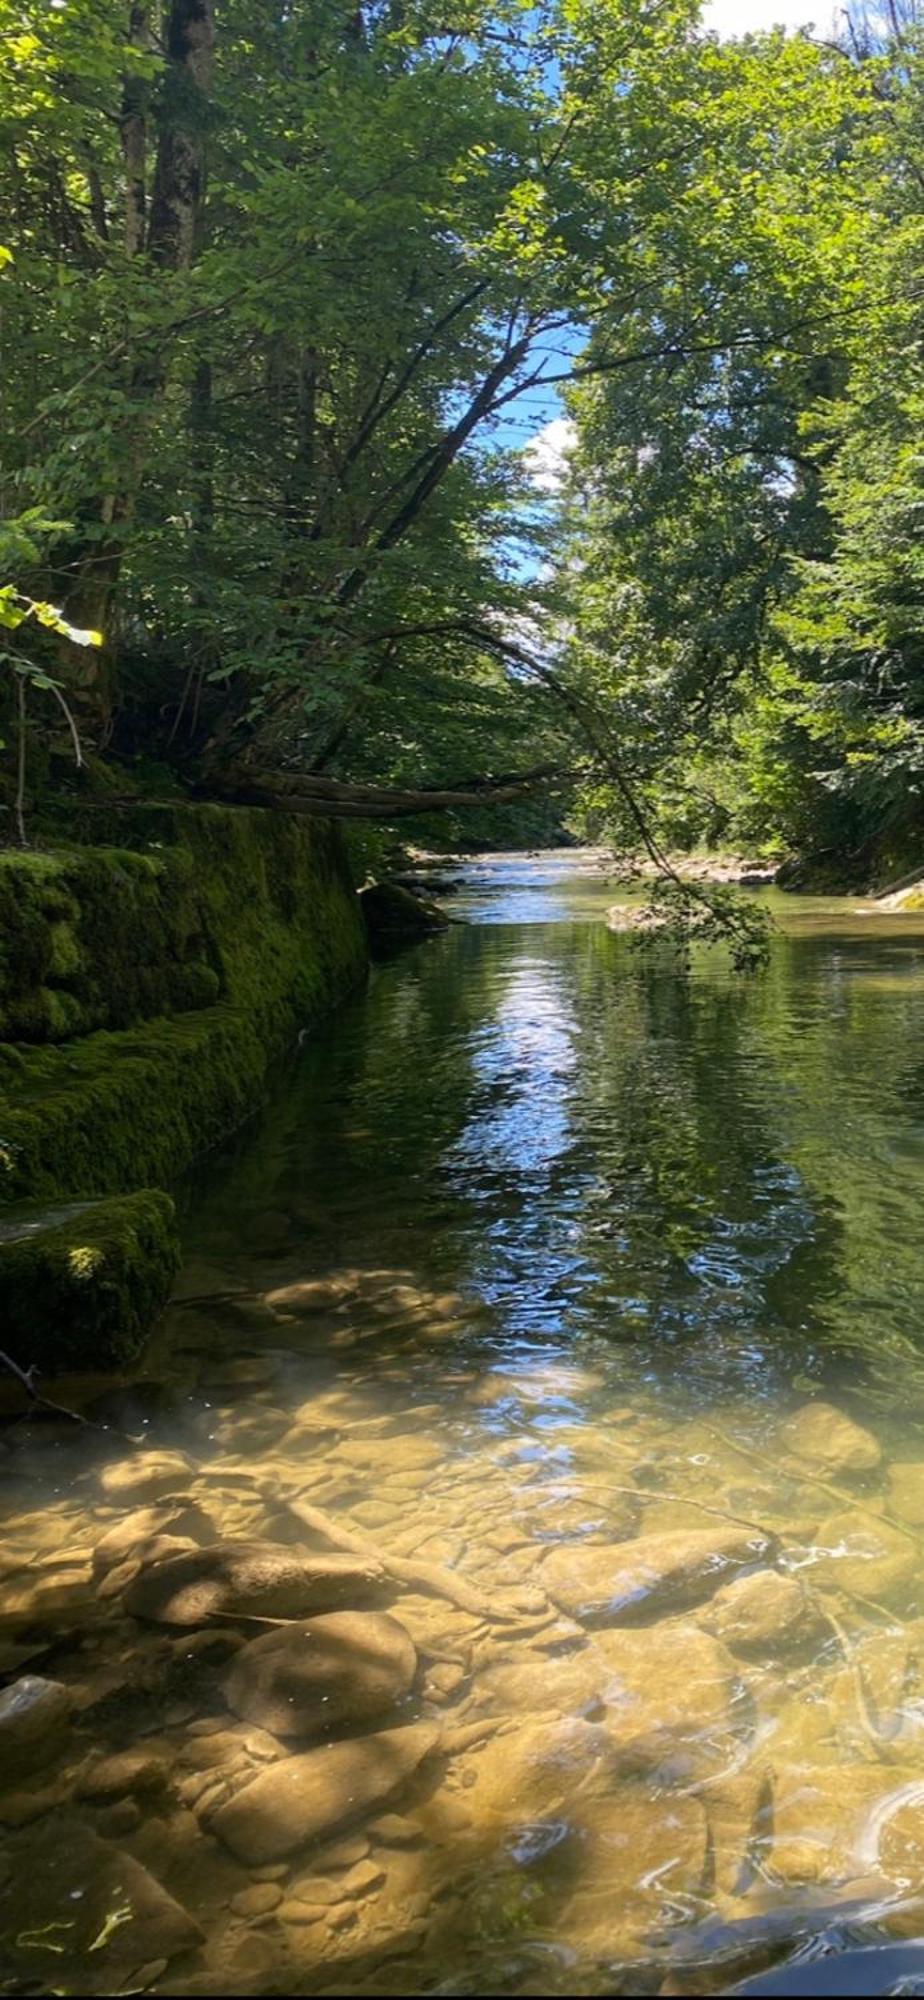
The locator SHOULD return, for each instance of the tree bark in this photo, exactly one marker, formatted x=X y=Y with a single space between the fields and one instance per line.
x=334 y=798
x=133 y=131
x=179 y=179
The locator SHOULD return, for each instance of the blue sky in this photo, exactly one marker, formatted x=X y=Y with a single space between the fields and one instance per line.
x=535 y=421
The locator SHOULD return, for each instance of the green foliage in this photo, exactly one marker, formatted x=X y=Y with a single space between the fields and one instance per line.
x=750 y=586
x=255 y=406
x=681 y=914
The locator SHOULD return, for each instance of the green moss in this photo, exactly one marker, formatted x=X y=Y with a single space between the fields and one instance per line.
x=394 y=916
x=80 y=1287
x=96 y=939
x=268 y=919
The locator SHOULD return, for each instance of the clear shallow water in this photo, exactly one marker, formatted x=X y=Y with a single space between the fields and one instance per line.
x=529 y=1273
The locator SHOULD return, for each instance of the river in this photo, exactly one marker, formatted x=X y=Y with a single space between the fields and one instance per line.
x=600 y=1289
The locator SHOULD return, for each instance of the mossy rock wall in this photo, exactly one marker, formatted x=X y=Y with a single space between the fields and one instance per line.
x=114 y=1076
x=81 y=1285
x=98 y=940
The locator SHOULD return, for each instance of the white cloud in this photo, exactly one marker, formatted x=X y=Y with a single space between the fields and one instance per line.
x=745 y=17
x=545 y=455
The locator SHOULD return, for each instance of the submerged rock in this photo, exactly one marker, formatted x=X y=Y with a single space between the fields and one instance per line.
x=832 y=1824
x=146 y=1476
x=864 y=1556
x=128 y=1773
x=100 y=1910
x=612 y=1582
x=633 y=1858
x=301 y=1799
x=34 y=1721
x=241 y=1579
x=906 y=1492
x=133 y=1538
x=763 y=1613
x=830 y=1442
x=318 y=1675
x=533 y=1771
x=670 y=1700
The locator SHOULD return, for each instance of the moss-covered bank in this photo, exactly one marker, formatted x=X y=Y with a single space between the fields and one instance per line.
x=80 y=1286
x=115 y=1075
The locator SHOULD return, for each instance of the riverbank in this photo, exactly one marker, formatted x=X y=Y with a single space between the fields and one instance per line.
x=428 y=865
x=148 y=984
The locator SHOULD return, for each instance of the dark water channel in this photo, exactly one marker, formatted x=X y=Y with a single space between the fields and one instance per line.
x=601 y=1292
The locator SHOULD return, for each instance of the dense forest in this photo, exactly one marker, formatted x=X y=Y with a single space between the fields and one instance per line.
x=282 y=292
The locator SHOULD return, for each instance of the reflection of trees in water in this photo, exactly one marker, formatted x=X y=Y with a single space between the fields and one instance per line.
x=698 y=1215
x=726 y=1167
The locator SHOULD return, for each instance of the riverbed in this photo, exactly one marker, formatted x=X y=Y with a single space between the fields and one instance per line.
x=587 y=1299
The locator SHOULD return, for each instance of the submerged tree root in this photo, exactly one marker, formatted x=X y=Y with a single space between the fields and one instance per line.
x=429 y=1578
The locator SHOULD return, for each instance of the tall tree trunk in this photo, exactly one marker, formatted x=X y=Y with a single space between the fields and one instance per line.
x=179 y=179
x=134 y=135
x=167 y=235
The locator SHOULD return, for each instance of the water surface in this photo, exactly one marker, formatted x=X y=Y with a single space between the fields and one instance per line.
x=537 y=1254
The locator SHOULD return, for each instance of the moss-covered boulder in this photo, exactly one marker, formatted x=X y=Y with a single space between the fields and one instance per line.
x=395 y=916
x=81 y=1285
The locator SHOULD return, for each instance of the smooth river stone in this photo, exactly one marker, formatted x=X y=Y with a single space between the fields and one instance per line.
x=632 y=1857
x=670 y=1701
x=830 y=1442
x=146 y=1476
x=305 y=1798
x=34 y=1721
x=906 y=1492
x=532 y=1771
x=618 y=1581
x=864 y=1556
x=761 y=1614
x=831 y=1824
x=132 y=1538
x=246 y=1579
x=322 y=1673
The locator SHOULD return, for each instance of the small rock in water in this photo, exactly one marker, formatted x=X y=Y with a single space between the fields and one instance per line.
x=257 y=1901
x=345 y=1853
x=618 y=1581
x=34 y=1721
x=317 y=1675
x=133 y=1538
x=395 y=1831
x=762 y=1613
x=830 y=1442
x=865 y=1557
x=670 y=1700
x=129 y=1772
x=303 y=1798
x=146 y=1476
